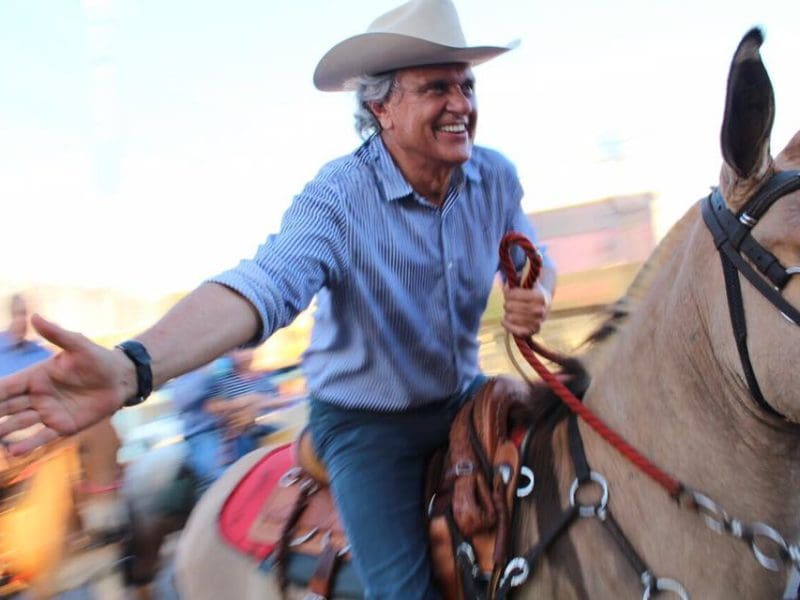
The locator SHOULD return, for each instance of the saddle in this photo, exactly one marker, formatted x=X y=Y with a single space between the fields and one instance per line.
x=471 y=505
x=471 y=491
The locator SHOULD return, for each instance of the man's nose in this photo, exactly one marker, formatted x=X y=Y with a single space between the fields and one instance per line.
x=459 y=100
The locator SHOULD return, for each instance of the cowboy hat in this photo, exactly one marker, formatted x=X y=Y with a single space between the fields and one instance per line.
x=417 y=33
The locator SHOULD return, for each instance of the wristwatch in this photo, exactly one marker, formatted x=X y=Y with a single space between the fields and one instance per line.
x=144 y=374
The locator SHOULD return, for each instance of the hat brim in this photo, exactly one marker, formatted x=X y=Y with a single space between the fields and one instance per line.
x=374 y=53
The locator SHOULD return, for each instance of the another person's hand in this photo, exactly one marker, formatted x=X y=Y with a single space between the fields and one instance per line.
x=525 y=309
x=239 y=420
x=66 y=393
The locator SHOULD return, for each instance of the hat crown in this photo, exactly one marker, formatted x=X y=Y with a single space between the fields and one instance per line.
x=432 y=20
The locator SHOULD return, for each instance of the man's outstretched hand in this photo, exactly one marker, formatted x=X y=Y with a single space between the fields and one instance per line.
x=66 y=393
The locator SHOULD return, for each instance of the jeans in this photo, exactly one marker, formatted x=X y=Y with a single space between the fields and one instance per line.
x=205 y=458
x=377 y=465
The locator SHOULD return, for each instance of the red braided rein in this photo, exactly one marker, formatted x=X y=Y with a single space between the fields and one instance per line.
x=528 y=349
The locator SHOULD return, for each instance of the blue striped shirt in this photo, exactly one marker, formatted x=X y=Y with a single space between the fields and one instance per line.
x=401 y=284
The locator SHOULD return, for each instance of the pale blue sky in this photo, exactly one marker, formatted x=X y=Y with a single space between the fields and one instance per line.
x=145 y=144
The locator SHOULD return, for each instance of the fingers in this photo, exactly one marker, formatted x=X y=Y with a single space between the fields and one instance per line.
x=17 y=422
x=14 y=405
x=44 y=436
x=525 y=310
x=68 y=340
x=521 y=330
x=11 y=386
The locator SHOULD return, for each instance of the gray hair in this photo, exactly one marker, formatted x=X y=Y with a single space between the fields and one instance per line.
x=371 y=88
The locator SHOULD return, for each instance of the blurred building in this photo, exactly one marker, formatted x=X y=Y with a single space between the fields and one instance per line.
x=598 y=248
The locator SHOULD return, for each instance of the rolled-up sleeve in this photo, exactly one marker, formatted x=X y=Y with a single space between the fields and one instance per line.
x=291 y=266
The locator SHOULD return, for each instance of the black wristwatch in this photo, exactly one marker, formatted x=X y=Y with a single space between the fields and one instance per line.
x=144 y=374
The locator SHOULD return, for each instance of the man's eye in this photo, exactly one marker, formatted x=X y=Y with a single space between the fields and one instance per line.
x=468 y=88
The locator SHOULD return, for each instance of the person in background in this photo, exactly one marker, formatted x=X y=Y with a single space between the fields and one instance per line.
x=219 y=404
x=398 y=241
x=16 y=350
x=239 y=394
x=101 y=511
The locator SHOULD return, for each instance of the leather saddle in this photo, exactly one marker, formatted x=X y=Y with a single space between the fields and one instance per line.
x=471 y=491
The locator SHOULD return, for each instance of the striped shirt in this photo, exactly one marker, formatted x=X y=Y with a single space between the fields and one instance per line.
x=401 y=284
x=231 y=384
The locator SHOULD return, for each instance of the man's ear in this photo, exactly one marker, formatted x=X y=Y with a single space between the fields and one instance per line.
x=382 y=113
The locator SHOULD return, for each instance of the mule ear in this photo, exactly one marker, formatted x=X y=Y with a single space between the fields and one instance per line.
x=749 y=108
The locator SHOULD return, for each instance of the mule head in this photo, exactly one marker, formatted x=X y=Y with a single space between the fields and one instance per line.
x=773 y=340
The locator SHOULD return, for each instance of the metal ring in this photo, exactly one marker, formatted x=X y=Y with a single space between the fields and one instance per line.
x=795 y=270
x=794 y=554
x=713 y=514
x=516 y=564
x=527 y=473
x=598 y=509
x=291 y=477
x=665 y=584
x=768 y=562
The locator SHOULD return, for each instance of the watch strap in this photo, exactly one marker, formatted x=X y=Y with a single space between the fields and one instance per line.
x=138 y=354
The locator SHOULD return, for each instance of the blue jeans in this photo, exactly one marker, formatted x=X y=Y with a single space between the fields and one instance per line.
x=377 y=465
x=205 y=458
x=210 y=454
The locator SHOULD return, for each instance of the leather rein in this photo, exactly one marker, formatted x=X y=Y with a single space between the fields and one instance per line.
x=768 y=546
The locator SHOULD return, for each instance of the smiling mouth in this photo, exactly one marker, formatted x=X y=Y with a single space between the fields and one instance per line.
x=454 y=128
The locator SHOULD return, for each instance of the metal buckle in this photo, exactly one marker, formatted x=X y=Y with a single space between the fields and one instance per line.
x=463 y=467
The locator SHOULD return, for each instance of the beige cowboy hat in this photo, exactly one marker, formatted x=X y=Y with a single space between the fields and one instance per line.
x=417 y=33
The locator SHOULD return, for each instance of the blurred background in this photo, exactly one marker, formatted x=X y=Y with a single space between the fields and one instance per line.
x=145 y=145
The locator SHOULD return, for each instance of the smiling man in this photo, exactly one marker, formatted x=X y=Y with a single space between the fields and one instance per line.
x=399 y=243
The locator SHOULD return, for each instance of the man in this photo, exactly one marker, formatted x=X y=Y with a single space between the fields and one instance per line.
x=16 y=350
x=399 y=243
x=219 y=405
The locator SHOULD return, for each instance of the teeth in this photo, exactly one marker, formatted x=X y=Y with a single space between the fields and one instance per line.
x=460 y=128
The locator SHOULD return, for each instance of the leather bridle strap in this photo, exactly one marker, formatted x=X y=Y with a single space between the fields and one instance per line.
x=736 y=309
x=732 y=236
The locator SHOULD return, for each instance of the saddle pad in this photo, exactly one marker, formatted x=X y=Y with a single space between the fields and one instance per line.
x=244 y=503
x=244 y=506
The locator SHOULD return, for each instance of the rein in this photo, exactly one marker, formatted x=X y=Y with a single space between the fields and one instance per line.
x=769 y=547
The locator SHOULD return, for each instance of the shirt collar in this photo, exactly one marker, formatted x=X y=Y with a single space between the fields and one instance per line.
x=395 y=186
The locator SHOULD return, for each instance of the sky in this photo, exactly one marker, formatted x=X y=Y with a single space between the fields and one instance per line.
x=148 y=144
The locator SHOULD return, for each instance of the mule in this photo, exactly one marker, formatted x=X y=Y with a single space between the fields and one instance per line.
x=704 y=391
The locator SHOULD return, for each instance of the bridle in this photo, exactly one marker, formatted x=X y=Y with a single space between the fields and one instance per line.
x=733 y=239
x=768 y=546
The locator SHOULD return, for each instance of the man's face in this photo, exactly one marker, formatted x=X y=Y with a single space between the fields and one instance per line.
x=18 y=328
x=431 y=114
